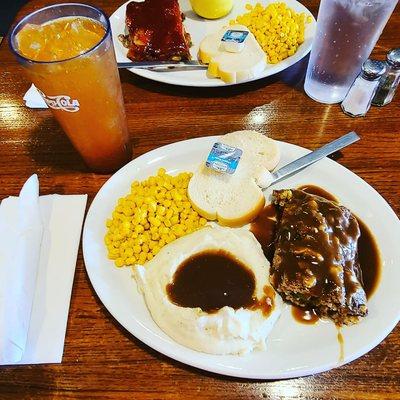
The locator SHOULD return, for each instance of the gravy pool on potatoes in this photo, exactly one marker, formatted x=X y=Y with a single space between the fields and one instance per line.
x=211 y=280
x=214 y=279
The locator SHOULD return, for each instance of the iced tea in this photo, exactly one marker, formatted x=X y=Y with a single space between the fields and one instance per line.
x=71 y=60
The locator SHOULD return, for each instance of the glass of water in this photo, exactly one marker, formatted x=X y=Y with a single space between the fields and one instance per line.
x=347 y=31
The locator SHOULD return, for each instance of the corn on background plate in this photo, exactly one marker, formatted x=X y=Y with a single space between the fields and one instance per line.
x=293 y=349
x=198 y=28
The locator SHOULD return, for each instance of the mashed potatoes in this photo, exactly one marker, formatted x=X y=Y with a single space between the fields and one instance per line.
x=223 y=331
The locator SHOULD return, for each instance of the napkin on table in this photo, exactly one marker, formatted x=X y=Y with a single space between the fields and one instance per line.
x=33 y=99
x=39 y=239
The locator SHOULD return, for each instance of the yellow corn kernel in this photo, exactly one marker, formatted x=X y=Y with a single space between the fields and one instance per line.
x=273 y=25
x=119 y=262
x=138 y=241
x=146 y=236
x=138 y=229
x=153 y=206
x=129 y=252
x=156 y=222
x=202 y=221
x=139 y=201
x=155 y=250
x=142 y=258
x=160 y=210
x=160 y=196
x=169 y=213
x=172 y=236
x=145 y=247
x=131 y=261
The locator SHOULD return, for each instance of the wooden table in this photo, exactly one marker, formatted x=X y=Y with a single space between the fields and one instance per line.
x=101 y=359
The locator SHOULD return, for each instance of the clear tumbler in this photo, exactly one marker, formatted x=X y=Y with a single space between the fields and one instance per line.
x=83 y=92
x=347 y=31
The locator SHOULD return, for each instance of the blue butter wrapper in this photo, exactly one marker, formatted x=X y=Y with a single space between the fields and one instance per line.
x=224 y=158
x=232 y=35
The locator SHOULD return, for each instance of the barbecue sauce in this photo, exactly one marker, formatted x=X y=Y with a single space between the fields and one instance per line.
x=213 y=279
x=156 y=31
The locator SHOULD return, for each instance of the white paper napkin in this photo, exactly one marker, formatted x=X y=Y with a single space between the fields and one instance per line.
x=33 y=99
x=43 y=294
x=21 y=236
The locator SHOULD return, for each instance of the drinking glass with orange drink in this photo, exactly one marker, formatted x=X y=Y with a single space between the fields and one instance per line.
x=67 y=52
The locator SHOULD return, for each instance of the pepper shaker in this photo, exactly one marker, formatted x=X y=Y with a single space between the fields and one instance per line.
x=359 y=97
x=390 y=81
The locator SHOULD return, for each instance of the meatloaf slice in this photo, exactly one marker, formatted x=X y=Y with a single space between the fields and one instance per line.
x=315 y=262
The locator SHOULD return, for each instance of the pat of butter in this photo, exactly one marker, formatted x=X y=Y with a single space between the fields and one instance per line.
x=234 y=40
x=224 y=158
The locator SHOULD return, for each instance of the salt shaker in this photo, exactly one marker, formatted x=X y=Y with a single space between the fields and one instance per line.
x=390 y=81
x=358 y=99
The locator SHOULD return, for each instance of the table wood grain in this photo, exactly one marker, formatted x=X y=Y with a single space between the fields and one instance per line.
x=101 y=359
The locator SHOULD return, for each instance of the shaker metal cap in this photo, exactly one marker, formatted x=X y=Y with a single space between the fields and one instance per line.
x=373 y=69
x=393 y=58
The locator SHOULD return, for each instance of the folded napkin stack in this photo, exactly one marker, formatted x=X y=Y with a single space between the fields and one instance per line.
x=38 y=250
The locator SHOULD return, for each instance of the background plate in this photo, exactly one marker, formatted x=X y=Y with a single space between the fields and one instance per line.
x=293 y=349
x=198 y=28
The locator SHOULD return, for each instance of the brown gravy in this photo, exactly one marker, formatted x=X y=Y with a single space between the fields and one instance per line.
x=369 y=258
x=264 y=228
x=213 y=279
x=340 y=340
x=318 y=191
x=305 y=315
x=368 y=252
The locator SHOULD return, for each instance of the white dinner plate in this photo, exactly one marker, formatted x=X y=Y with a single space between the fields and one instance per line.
x=293 y=349
x=198 y=28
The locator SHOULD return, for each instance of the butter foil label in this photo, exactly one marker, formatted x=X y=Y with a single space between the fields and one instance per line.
x=236 y=36
x=224 y=158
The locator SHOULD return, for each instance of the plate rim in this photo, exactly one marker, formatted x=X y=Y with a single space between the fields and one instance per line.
x=210 y=83
x=215 y=368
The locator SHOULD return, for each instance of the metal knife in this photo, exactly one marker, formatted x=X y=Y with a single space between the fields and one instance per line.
x=165 y=65
x=312 y=157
